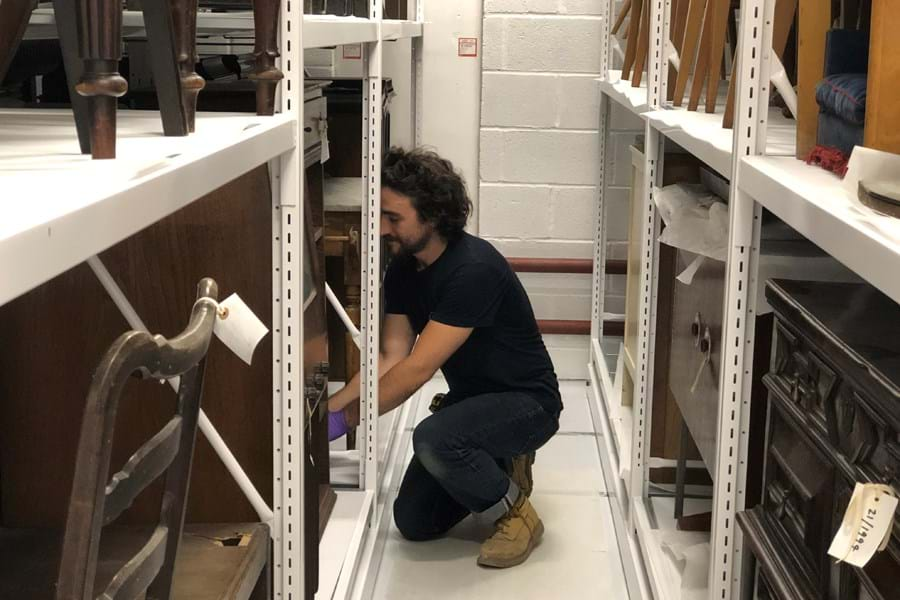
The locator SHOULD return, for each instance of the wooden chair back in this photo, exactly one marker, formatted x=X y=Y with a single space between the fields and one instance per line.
x=98 y=499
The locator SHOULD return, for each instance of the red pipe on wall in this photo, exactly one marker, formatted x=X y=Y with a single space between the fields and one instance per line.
x=564 y=265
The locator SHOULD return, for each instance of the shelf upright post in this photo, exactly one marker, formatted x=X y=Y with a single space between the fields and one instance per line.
x=727 y=559
x=288 y=439
x=657 y=72
x=598 y=284
x=416 y=8
x=371 y=263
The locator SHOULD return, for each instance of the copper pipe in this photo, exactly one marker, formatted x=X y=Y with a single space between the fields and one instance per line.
x=572 y=327
x=564 y=265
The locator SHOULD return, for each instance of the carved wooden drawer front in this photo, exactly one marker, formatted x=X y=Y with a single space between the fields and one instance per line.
x=833 y=420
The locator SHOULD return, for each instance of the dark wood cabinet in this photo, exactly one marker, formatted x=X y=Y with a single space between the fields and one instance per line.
x=833 y=420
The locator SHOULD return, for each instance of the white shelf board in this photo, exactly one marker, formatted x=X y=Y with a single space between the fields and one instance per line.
x=43 y=23
x=318 y=30
x=702 y=134
x=59 y=207
x=340 y=540
x=632 y=98
x=396 y=30
x=659 y=537
x=813 y=201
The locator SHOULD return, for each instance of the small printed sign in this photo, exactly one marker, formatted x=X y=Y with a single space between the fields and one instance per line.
x=352 y=51
x=468 y=46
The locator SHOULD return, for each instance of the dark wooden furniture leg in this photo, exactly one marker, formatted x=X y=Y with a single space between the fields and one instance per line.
x=160 y=19
x=13 y=21
x=184 y=16
x=66 y=13
x=634 y=28
x=267 y=75
x=100 y=41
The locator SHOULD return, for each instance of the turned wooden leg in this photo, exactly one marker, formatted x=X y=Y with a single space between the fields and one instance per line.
x=163 y=48
x=184 y=17
x=267 y=75
x=100 y=41
x=13 y=21
x=66 y=13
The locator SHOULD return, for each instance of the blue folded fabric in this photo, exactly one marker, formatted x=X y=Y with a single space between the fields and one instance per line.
x=844 y=96
x=835 y=132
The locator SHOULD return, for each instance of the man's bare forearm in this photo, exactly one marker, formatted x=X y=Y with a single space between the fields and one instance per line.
x=350 y=392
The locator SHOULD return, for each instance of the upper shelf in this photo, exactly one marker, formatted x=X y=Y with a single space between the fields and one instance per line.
x=632 y=98
x=318 y=30
x=59 y=207
x=702 y=134
x=814 y=202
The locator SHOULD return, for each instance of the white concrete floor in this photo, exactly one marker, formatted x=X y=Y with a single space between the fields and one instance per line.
x=577 y=558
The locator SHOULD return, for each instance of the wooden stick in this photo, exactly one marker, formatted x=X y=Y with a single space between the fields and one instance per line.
x=703 y=57
x=688 y=48
x=623 y=12
x=717 y=52
x=643 y=46
x=634 y=26
x=882 y=130
x=679 y=10
x=814 y=23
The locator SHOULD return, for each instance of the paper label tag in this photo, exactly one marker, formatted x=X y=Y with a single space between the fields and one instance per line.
x=866 y=527
x=238 y=327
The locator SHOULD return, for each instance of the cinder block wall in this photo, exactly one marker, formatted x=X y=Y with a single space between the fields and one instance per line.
x=539 y=153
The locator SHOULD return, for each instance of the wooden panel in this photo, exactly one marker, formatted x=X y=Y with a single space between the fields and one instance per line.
x=882 y=107
x=55 y=335
x=695 y=383
x=814 y=23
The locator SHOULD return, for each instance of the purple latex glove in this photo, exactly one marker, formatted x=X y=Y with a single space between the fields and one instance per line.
x=337 y=425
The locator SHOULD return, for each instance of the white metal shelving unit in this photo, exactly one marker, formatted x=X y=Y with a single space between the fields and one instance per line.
x=61 y=209
x=758 y=158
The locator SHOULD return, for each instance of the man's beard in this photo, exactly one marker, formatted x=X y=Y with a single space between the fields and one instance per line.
x=405 y=249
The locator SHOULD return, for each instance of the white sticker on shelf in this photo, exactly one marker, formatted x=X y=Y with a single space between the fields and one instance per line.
x=239 y=328
x=867 y=523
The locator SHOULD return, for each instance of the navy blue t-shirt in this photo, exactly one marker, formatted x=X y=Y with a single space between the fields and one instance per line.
x=472 y=285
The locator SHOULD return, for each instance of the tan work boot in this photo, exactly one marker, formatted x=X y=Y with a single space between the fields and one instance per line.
x=520 y=472
x=515 y=536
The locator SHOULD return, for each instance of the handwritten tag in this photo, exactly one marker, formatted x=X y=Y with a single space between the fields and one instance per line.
x=239 y=328
x=867 y=523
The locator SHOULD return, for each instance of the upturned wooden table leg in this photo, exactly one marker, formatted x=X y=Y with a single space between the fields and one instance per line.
x=184 y=17
x=13 y=21
x=100 y=46
x=267 y=75
x=67 y=29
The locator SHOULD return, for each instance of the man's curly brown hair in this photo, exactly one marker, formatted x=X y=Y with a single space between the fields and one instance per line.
x=437 y=191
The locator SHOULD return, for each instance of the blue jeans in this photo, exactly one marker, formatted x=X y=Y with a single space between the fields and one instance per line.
x=460 y=452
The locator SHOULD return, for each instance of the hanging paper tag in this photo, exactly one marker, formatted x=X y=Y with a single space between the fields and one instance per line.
x=866 y=527
x=238 y=327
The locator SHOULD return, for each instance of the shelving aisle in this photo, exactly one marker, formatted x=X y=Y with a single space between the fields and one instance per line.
x=578 y=556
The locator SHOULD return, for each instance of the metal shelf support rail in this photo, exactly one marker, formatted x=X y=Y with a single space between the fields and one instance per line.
x=371 y=280
x=727 y=560
x=288 y=439
x=657 y=72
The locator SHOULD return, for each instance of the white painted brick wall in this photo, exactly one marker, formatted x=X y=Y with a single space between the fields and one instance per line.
x=553 y=100
x=544 y=43
x=539 y=156
x=539 y=152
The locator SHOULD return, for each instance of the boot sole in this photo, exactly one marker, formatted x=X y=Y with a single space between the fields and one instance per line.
x=499 y=563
